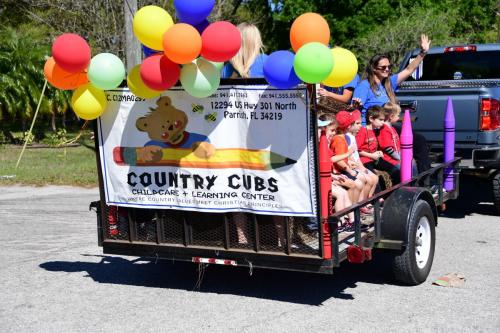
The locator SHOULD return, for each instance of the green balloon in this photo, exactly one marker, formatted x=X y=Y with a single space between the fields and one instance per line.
x=218 y=65
x=313 y=62
x=106 y=71
x=200 y=78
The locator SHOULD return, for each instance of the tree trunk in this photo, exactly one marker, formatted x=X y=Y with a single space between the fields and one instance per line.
x=9 y=136
x=132 y=46
x=53 y=122
x=63 y=120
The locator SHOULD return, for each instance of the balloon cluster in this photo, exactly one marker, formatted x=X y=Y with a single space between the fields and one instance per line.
x=173 y=50
x=313 y=61
x=71 y=68
x=172 y=53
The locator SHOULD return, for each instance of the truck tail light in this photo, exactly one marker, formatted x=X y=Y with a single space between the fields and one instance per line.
x=468 y=48
x=489 y=114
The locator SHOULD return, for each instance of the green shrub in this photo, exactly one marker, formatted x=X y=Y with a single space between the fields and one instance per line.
x=56 y=139
x=29 y=137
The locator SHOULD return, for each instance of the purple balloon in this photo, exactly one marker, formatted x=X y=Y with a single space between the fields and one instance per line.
x=278 y=70
x=149 y=52
x=193 y=11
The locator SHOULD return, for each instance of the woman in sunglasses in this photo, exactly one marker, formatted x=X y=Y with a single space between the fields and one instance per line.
x=379 y=84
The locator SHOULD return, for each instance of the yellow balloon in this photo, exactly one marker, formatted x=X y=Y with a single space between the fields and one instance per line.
x=137 y=86
x=88 y=102
x=345 y=67
x=150 y=23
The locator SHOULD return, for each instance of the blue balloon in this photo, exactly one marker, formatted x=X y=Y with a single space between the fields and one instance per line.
x=202 y=26
x=193 y=11
x=149 y=52
x=278 y=70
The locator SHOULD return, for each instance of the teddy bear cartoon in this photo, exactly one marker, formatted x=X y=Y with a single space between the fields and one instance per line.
x=166 y=127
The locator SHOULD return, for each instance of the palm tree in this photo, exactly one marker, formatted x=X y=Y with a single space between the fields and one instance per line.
x=57 y=102
x=21 y=75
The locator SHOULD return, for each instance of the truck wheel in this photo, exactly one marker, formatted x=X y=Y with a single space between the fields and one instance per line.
x=496 y=191
x=414 y=264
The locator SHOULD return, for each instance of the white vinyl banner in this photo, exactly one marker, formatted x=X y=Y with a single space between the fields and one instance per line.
x=245 y=148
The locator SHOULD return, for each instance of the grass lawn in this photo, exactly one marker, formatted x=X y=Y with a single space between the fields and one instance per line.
x=44 y=166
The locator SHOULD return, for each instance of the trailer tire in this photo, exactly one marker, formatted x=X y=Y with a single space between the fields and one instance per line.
x=495 y=182
x=413 y=265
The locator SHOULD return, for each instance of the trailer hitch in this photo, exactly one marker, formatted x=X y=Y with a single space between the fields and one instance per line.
x=94 y=205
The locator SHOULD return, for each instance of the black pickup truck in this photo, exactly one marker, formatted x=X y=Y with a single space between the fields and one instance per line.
x=470 y=75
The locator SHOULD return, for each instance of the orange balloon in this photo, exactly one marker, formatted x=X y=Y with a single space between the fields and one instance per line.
x=182 y=43
x=62 y=79
x=307 y=28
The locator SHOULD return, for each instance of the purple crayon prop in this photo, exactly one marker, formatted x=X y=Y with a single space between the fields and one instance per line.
x=406 y=139
x=449 y=144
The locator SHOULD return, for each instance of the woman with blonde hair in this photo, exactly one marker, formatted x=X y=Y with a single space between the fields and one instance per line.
x=249 y=61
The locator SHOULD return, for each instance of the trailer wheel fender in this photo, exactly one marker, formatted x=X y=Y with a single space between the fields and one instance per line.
x=395 y=220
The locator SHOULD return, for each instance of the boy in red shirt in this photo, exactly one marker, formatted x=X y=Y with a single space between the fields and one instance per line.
x=368 y=145
x=388 y=138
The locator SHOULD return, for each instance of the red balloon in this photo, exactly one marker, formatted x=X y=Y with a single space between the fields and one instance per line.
x=71 y=52
x=220 y=41
x=159 y=73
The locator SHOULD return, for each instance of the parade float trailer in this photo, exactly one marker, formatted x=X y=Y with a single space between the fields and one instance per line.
x=239 y=179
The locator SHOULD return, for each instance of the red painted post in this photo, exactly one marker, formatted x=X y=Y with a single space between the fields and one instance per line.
x=325 y=186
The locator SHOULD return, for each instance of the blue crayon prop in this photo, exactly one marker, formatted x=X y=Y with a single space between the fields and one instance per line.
x=449 y=144
x=406 y=139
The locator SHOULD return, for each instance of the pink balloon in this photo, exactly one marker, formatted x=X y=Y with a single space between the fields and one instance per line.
x=159 y=73
x=220 y=41
x=71 y=52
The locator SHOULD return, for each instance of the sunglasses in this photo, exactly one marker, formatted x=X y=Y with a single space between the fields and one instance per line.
x=383 y=68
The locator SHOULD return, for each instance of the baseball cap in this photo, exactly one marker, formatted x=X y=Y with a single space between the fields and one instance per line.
x=345 y=118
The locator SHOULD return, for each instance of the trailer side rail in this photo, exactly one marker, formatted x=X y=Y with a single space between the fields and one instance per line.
x=367 y=231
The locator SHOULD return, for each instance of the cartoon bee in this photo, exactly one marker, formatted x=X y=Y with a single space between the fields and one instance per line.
x=211 y=117
x=197 y=108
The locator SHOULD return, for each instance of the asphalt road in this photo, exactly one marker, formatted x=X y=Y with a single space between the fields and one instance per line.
x=54 y=278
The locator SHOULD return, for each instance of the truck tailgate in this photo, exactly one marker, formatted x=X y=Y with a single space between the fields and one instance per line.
x=430 y=106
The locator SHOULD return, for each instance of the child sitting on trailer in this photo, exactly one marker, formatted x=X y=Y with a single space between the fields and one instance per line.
x=340 y=154
x=355 y=162
x=340 y=159
x=388 y=138
x=370 y=154
x=340 y=195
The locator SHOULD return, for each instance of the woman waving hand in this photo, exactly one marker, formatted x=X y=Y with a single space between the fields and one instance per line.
x=379 y=84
